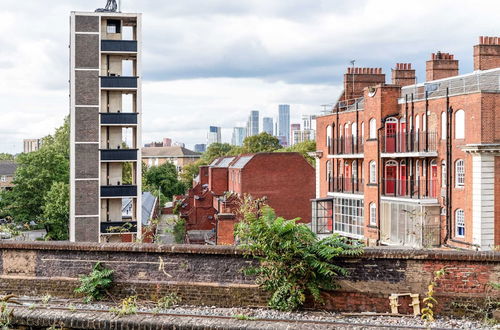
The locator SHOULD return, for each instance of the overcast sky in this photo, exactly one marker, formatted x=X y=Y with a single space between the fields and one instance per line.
x=209 y=62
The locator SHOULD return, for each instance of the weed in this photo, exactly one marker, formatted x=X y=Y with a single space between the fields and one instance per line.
x=128 y=306
x=168 y=301
x=242 y=317
x=429 y=300
x=5 y=316
x=46 y=299
x=95 y=284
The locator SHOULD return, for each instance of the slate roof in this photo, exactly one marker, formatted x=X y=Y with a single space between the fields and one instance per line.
x=167 y=152
x=7 y=167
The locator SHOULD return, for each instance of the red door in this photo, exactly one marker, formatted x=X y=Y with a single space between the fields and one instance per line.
x=390 y=137
x=347 y=177
x=433 y=183
x=402 y=140
x=402 y=180
x=390 y=179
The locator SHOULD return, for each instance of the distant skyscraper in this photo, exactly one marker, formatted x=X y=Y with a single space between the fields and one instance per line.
x=253 y=123
x=200 y=147
x=239 y=134
x=295 y=127
x=267 y=125
x=284 y=122
x=31 y=145
x=308 y=122
x=214 y=135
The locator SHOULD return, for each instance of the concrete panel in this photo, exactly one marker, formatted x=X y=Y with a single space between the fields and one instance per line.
x=86 y=88
x=87 y=124
x=87 y=51
x=86 y=161
x=87 y=229
x=86 y=23
x=86 y=197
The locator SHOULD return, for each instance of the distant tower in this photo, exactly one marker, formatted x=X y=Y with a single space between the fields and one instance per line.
x=267 y=125
x=284 y=123
x=253 y=123
x=105 y=108
x=214 y=135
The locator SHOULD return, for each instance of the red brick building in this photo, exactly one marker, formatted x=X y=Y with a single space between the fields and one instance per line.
x=414 y=164
x=285 y=180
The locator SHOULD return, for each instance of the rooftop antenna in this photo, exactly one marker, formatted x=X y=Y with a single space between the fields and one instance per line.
x=111 y=7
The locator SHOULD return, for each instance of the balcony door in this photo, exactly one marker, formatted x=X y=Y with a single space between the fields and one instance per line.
x=402 y=178
x=391 y=127
x=391 y=172
x=402 y=132
x=433 y=179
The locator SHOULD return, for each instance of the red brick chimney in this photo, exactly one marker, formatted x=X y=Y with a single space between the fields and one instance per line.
x=441 y=65
x=487 y=53
x=356 y=79
x=403 y=74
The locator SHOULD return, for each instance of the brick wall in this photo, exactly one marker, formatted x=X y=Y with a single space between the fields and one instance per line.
x=207 y=275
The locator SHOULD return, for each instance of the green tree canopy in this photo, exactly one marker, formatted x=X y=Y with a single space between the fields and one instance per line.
x=56 y=211
x=214 y=151
x=263 y=142
x=303 y=148
x=5 y=156
x=163 y=179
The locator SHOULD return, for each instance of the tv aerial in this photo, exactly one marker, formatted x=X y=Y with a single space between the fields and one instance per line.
x=111 y=7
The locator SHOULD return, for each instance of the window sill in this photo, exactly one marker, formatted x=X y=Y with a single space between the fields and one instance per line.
x=372 y=226
x=372 y=184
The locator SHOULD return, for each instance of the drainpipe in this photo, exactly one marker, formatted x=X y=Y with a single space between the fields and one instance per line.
x=449 y=176
x=379 y=179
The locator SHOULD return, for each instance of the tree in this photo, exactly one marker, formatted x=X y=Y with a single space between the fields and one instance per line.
x=303 y=148
x=190 y=171
x=163 y=179
x=56 y=211
x=215 y=150
x=263 y=142
x=5 y=156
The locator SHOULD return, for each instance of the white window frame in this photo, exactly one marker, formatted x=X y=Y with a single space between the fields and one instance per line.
x=443 y=174
x=373 y=214
x=443 y=125
x=3 y=178
x=373 y=172
x=459 y=173
x=363 y=131
x=460 y=125
x=328 y=136
x=373 y=128
x=459 y=222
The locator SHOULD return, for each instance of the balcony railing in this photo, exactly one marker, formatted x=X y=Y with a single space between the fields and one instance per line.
x=119 y=154
x=117 y=118
x=118 y=82
x=413 y=141
x=118 y=45
x=346 y=185
x=118 y=227
x=119 y=191
x=346 y=145
x=410 y=188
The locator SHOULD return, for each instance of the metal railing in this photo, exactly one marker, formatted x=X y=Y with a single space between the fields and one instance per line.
x=346 y=185
x=118 y=118
x=344 y=105
x=118 y=45
x=346 y=145
x=413 y=141
x=119 y=154
x=469 y=83
x=118 y=227
x=118 y=82
x=412 y=188
x=119 y=191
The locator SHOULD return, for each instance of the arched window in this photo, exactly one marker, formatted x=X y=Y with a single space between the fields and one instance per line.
x=328 y=170
x=460 y=223
x=346 y=130
x=417 y=123
x=443 y=174
x=373 y=172
x=328 y=136
x=424 y=123
x=373 y=128
x=354 y=129
x=417 y=169
x=355 y=169
x=443 y=125
x=341 y=129
x=459 y=173
x=460 y=124
x=373 y=214
x=362 y=131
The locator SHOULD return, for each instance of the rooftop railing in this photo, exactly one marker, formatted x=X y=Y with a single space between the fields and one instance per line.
x=410 y=142
x=344 y=105
x=410 y=188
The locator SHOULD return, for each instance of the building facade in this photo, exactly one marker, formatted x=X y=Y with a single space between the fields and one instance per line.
x=239 y=134
x=7 y=171
x=253 y=123
x=105 y=104
x=411 y=164
x=284 y=124
x=31 y=145
x=178 y=156
x=214 y=135
x=267 y=125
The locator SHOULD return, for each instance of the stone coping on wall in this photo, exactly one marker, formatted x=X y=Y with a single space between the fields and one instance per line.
x=370 y=253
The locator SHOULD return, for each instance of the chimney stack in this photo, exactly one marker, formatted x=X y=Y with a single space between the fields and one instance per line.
x=487 y=53
x=441 y=65
x=403 y=74
x=356 y=79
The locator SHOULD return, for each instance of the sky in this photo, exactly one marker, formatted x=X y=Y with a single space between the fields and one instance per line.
x=210 y=62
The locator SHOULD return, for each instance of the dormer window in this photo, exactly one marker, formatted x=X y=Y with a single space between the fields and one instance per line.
x=113 y=26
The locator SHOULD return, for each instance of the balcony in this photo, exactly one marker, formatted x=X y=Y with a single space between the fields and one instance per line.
x=119 y=191
x=118 y=82
x=410 y=188
x=125 y=46
x=119 y=119
x=111 y=155
x=409 y=144
x=350 y=145
x=346 y=185
x=118 y=227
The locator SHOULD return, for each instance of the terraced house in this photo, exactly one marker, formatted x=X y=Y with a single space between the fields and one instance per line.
x=414 y=164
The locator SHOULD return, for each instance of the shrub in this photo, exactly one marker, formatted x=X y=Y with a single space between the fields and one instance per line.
x=128 y=306
x=179 y=230
x=168 y=301
x=96 y=283
x=293 y=261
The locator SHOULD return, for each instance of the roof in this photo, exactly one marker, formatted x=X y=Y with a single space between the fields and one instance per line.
x=242 y=161
x=174 y=151
x=8 y=167
x=148 y=205
x=223 y=162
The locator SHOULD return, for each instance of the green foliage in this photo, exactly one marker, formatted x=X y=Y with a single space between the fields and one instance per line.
x=34 y=178
x=168 y=301
x=179 y=230
x=242 y=317
x=163 y=182
x=5 y=316
x=56 y=211
x=429 y=300
x=190 y=171
x=96 y=283
x=215 y=150
x=293 y=261
x=128 y=306
x=303 y=148
x=5 y=156
x=263 y=142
